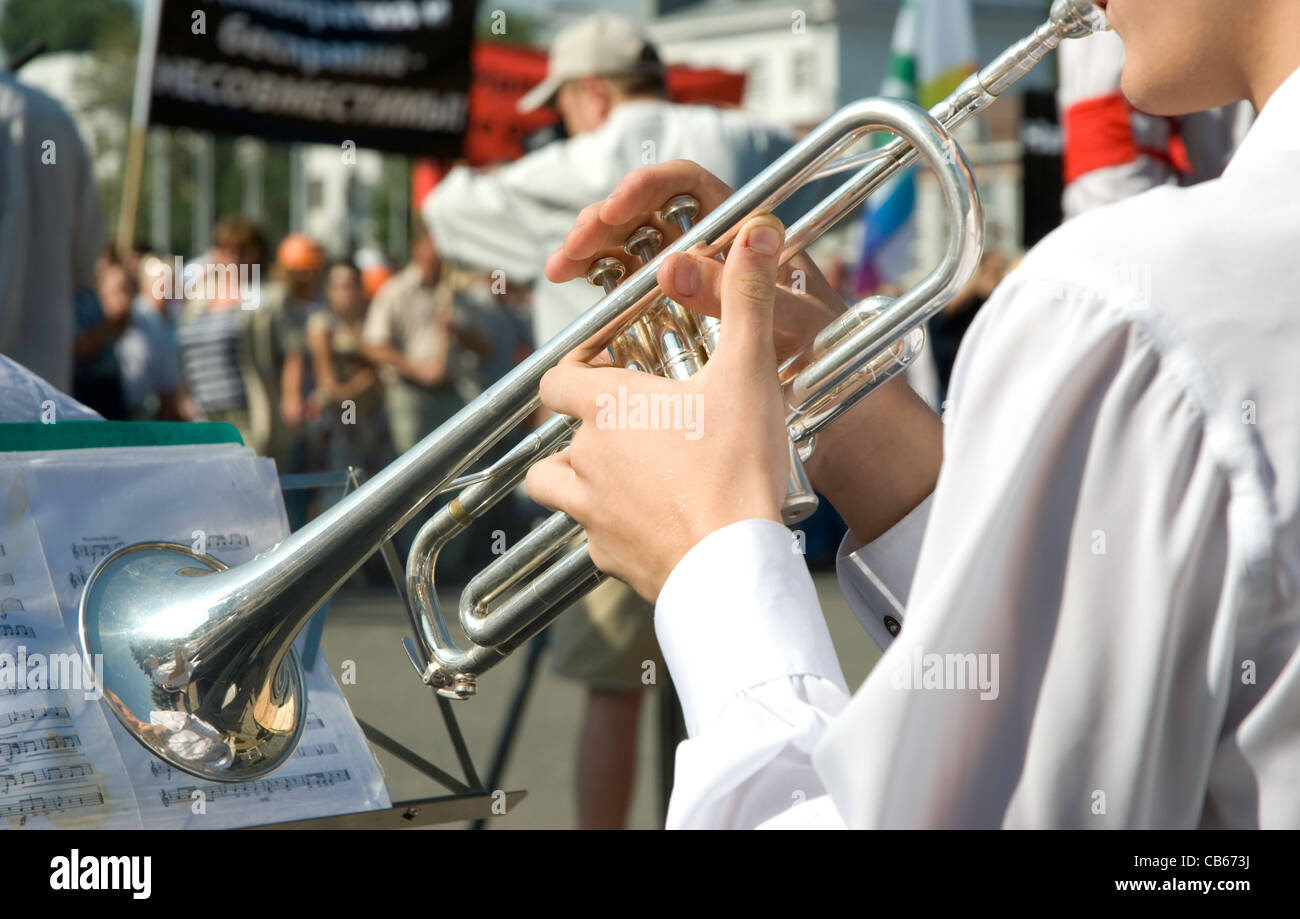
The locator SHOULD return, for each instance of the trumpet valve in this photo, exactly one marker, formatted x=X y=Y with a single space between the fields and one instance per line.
x=606 y=273
x=680 y=211
x=669 y=326
x=644 y=244
x=631 y=350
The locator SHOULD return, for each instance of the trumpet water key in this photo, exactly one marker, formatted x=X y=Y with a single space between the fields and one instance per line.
x=198 y=662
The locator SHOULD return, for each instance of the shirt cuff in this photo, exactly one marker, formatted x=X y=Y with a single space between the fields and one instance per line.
x=877 y=578
x=739 y=610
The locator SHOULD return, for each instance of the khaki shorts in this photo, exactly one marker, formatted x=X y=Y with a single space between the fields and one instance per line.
x=413 y=411
x=605 y=640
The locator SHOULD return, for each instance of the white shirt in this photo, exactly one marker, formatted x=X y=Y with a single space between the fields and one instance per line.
x=512 y=217
x=1115 y=529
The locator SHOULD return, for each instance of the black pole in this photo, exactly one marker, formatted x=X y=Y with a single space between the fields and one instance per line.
x=514 y=716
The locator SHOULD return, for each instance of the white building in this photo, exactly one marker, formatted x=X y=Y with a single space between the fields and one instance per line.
x=338 y=186
x=806 y=59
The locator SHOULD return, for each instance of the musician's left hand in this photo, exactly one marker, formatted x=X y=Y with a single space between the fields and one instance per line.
x=646 y=496
x=805 y=301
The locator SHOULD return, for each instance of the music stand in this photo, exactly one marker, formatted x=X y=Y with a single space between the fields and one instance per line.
x=470 y=798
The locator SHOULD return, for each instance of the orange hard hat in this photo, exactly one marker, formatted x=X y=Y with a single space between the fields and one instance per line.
x=299 y=252
x=373 y=278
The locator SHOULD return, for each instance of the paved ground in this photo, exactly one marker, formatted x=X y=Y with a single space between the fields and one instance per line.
x=366 y=627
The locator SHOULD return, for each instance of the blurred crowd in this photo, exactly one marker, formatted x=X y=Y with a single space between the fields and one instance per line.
x=320 y=363
x=325 y=364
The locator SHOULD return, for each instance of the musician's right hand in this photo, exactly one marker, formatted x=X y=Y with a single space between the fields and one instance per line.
x=805 y=303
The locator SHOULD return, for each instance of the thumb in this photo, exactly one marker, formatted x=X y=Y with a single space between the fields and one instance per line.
x=748 y=292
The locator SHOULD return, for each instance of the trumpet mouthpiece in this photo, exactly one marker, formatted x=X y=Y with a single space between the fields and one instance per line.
x=1077 y=18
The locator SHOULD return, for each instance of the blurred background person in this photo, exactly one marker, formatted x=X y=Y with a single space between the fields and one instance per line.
x=373 y=277
x=299 y=262
x=503 y=322
x=219 y=339
x=52 y=227
x=606 y=80
x=410 y=334
x=281 y=358
x=103 y=315
x=414 y=328
x=147 y=351
x=347 y=393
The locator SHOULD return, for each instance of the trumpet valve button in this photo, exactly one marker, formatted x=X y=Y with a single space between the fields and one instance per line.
x=644 y=243
x=606 y=273
x=680 y=211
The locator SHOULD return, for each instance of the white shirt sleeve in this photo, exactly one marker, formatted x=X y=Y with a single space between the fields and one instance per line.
x=507 y=217
x=754 y=714
x=876 y=579
x=756 y=672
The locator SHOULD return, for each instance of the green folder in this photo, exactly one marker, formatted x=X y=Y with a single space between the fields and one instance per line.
x=24 y=436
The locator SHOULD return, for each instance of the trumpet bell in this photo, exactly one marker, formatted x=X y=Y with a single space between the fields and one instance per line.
x=210 y=707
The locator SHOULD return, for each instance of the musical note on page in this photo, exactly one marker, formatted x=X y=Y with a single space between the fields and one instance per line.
x=263 y=790
x=58 y=712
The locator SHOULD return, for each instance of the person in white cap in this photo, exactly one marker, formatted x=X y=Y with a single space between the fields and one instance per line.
x=607 y=82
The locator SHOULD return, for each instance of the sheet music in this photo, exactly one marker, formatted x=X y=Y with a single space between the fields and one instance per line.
x=224 y=501
x=221 y=499
x=59 y=763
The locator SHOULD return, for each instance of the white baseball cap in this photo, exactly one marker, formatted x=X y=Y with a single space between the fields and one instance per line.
x=601 y=45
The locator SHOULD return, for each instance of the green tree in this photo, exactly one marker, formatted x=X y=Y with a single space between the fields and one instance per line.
x=64 y=25
x=104 y=97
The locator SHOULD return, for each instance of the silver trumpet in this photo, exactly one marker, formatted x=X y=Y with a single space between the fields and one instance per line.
x=197 y=658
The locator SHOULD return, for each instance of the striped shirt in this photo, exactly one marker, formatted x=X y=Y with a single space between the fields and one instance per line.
x=209 y=345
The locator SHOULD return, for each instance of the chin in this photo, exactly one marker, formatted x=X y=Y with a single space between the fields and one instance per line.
x=1163 y=98
x=1179 y=81
x=1141 y=97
